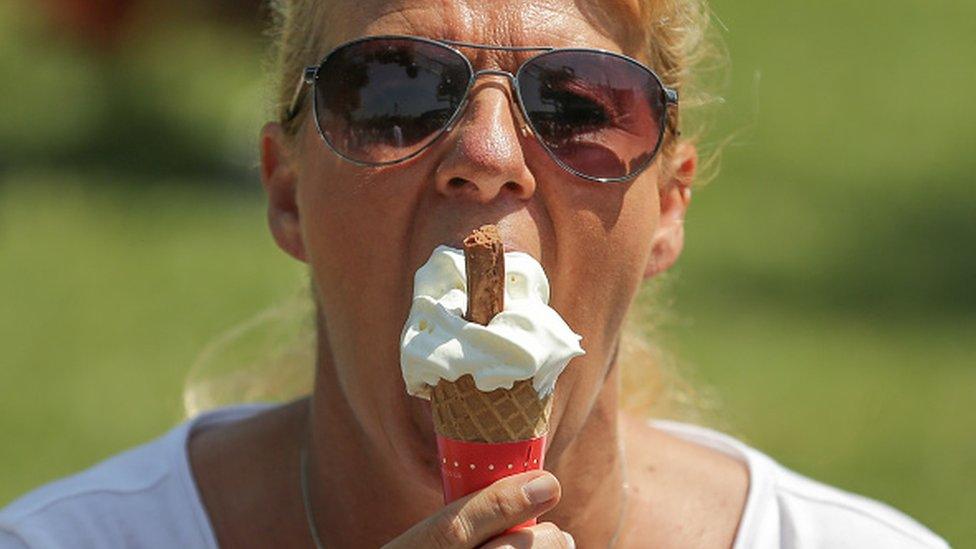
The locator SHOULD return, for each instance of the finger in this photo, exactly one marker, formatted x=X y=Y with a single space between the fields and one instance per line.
x=546 y=534
x=475 y=518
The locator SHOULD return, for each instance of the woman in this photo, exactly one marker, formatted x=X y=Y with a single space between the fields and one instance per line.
x=386 y=149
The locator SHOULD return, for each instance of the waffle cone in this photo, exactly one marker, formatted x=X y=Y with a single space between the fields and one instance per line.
x=462 y=412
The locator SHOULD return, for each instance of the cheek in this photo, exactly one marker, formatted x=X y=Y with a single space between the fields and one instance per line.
x=604 y=244
x=610 y=228
x=352 y=230
x=348 y=211
x=634 y=229
x=352 y=227
x=324 y=213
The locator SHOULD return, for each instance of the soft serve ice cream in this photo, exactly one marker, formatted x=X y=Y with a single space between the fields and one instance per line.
x=527 y=340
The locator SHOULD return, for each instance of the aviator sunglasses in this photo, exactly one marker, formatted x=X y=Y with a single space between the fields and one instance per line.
x=380 y=100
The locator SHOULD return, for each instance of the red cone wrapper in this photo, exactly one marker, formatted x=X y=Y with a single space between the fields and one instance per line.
x=467 y=467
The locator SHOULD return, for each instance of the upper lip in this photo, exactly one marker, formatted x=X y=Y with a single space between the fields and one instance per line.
x=513 y=246
x=508 y=245
x=512 y=241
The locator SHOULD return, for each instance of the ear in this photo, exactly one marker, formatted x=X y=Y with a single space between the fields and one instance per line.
x=280 y=181
x=674 y=196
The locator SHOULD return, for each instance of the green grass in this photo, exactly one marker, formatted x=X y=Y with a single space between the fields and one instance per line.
x=108 y=296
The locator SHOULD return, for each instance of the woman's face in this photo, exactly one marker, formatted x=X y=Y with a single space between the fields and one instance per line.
x=365 y=231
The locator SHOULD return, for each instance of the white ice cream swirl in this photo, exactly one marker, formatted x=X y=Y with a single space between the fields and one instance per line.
x=527 y=340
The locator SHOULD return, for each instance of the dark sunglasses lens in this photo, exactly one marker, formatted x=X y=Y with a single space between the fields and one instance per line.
x=599 y=114
x=383 y=100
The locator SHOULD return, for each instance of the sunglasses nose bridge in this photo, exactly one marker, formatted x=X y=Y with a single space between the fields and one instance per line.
x=516 y=97
x=489 y=72
x=497 y=72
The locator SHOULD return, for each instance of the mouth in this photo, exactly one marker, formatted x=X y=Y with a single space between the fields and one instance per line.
x=511 y=242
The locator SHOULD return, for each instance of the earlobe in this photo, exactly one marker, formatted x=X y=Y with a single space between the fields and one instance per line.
x=280 y=181
x=675 y=196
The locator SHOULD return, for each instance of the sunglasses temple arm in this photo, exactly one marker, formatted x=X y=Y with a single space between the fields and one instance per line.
x=308 y=77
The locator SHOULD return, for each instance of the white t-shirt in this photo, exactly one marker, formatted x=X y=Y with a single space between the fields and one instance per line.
x=146 y=498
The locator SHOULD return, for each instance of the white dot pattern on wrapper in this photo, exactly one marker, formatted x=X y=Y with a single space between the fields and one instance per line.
x=490 y=466
x=461 y=463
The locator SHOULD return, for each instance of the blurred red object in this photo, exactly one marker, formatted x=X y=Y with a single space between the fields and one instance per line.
x=104 y=25
x=99 y=24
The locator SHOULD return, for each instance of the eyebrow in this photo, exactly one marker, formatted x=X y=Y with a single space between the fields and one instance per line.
x=478 y=46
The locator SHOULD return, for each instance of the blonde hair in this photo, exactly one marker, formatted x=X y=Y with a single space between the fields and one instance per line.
x=272 y=356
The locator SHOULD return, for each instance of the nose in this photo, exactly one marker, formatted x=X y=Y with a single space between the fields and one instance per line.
x=485 y=158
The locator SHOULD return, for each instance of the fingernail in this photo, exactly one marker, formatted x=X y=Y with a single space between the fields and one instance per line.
x=569 y=540
x=541 y=489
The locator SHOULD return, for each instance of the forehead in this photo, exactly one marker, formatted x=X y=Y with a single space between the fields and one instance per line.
x=604 y=24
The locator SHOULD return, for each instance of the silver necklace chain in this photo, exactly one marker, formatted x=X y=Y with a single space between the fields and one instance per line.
x=313 y=531
x=623 y=495
x=306 y=500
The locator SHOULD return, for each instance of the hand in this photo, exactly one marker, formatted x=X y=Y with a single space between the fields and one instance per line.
x=472 y=520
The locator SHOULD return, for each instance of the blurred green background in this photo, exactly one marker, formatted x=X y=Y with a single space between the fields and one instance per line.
x=826 y=293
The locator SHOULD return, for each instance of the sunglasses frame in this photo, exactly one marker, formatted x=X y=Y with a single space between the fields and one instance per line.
x=312 y=73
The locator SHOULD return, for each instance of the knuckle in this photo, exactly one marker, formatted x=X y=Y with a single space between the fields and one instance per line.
x=502 y=504
x=452 y=530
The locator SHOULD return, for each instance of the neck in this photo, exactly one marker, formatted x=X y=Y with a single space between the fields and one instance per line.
x=352 y=482
x=592 y=473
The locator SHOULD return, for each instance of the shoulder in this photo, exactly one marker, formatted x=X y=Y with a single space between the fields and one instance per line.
x=681 y=494
x=786 y=509
x=144 y=496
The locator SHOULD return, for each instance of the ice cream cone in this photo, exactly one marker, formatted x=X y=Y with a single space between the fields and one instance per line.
x=463 y=412
x=483 y=436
